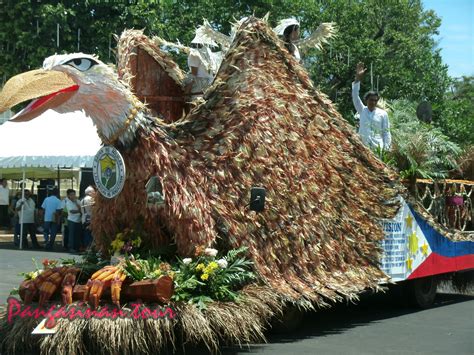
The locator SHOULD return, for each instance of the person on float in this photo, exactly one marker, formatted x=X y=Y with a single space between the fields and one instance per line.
x=289 y=31
x=202 y=63
x=374 y=125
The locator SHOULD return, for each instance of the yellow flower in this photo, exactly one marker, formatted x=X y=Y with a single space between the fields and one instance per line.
x=171 y=274
x=204 y=277
x=211 y=267
x=119 y=236
x=200 y=267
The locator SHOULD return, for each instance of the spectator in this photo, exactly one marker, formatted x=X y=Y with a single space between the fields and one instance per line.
x=86 y=208
x=73 y=221
x=15 y=222
x=4 y=204
x=52 y=208
x=27 y=208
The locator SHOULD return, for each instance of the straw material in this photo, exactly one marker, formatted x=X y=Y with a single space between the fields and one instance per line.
x=126 y=48
x=239 y=323
x=263 y=124
x=32 y=85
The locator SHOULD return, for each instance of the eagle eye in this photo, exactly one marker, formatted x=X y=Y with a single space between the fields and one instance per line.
x=82 y=64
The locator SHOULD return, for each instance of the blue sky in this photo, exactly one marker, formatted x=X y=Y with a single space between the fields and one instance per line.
x=456 y=34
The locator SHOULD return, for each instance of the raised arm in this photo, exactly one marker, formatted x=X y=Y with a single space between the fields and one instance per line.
x=360 y=71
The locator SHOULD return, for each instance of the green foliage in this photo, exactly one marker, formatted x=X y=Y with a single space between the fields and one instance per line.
x=419 y=150
x=198 y=281
x=457 y=112
x=143 y=269
x=396 y=37
x=204 y=279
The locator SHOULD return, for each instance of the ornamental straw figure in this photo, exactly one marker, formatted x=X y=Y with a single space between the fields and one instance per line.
x=262 y=123
x=202 y=63
x=289 y=31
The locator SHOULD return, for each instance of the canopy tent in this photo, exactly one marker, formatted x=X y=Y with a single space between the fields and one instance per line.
x=36 y=173
x=42 y=146
x=51 y=140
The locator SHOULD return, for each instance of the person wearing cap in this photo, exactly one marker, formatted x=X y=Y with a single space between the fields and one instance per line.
x=202 y=63
x=374 y=126
x=289 y=31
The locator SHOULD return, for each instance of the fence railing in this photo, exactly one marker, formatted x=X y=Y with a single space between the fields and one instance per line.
x=448 y=201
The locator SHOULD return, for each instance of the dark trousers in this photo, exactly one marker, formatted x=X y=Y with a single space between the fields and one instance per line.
x=4 y=217
x=86 y=235
x=16 y=234
x=50 y=231
x=66 y=236
x=75 y=235
x=31 y=229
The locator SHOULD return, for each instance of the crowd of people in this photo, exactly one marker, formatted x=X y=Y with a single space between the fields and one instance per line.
x=71 y=216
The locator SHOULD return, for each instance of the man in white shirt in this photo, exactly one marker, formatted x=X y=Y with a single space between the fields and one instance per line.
x=374 y=128
x=26 y=208
x=4 y=203
x=52 y=208
x=73 y=221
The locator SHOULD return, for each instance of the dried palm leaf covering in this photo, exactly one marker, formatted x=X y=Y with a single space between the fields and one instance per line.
x=262 y=124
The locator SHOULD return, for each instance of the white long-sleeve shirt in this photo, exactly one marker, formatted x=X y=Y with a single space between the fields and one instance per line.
x=374 y=128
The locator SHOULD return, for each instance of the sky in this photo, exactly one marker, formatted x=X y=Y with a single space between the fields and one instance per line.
x=456 y=34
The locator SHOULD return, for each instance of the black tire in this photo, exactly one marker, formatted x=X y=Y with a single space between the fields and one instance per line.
x=422 y=291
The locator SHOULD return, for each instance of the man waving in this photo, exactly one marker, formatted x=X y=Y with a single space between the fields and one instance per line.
x=374 y=128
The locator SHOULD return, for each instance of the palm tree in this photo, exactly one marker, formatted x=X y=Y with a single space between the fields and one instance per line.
x=419 y=150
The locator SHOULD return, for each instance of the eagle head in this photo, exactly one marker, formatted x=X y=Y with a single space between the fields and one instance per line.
x=73 y=82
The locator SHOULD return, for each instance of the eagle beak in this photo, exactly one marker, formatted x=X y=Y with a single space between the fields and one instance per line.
x=47 y=89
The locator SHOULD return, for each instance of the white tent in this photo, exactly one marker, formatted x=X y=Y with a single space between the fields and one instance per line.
x=47 y=143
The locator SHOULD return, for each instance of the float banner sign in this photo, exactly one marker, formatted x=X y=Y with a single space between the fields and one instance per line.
x=412 y=248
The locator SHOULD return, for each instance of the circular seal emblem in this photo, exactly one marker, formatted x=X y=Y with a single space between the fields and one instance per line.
x=108 y=170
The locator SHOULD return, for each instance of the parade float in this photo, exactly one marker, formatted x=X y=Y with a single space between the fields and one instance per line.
x=209 y=224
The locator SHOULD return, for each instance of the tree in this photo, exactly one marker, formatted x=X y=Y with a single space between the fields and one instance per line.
x=457 y=112
x=395 y=37
x=419 y=150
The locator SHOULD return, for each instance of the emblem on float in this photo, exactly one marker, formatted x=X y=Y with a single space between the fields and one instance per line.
x=108 y=170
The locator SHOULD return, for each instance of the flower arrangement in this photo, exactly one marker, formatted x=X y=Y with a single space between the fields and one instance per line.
x=204 y=278
x=126 y=242
x=208 y=278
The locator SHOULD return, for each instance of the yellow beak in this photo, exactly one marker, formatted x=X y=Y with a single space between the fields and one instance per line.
x=43 y=85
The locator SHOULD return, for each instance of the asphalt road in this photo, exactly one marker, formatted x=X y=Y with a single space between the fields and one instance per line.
x=375 y=326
